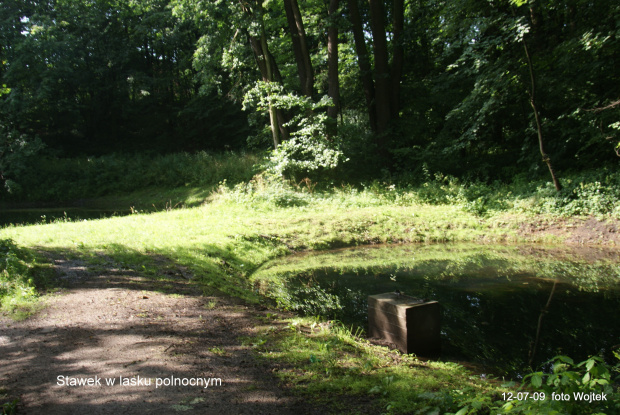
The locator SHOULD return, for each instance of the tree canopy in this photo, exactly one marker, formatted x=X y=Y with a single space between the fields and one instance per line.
x=466 y=87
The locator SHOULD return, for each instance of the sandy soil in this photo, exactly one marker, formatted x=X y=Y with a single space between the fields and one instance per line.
x=575 y=231
x=119 y=325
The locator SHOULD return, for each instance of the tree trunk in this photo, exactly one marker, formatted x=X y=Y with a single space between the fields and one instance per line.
x=333 y=89
x=269 y=73
x=300 y=47
x=545 y=157
x=397 y=57
x=363 y=62
x=382 y=93
x=383 y=83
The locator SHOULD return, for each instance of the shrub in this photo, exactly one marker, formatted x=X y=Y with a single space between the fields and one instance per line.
x=568 y=389
x=17 y=151
x=308 y=150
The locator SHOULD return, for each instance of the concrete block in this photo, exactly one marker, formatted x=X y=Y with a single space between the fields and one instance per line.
x=413 y=325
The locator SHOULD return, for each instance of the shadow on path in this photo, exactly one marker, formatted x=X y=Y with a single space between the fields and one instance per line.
x=143 y=333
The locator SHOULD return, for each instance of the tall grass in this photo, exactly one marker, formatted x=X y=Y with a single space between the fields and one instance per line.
x=60 y=179
x=595 y=192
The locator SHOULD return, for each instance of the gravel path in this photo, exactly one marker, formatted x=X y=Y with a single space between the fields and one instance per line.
x=160 y=342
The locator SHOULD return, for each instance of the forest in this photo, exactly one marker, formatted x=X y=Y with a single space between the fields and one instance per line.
x=484 y=90
x=213 y=190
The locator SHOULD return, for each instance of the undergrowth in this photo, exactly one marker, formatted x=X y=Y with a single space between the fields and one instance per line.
x=592 y=193
x=19 y=283
x=241 y=178
x=62 y=179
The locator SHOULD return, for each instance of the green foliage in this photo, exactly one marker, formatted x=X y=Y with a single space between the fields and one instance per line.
x=17 y=153
x=308 y=149
x=587 y=193
x=306 y=298
x=470 y=102
x=10 y=408
x=17 y=285
x=568 y=389
x=64 y=179
x=96 y=77
x=595 y=192
x=265 y=189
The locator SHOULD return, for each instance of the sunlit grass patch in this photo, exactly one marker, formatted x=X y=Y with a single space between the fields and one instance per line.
x=326 y=363
x=221 y=244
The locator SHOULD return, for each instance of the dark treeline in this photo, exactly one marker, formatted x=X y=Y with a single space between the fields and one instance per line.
x=482 y=88
x=104 y=76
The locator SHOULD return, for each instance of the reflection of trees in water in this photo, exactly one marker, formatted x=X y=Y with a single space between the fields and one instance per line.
x=539 y=326
x=496 y=313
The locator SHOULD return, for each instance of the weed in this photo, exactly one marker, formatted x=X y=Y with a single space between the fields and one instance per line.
x=210 y=305
x=218 y=351
x=583 y=388
x=10 y=408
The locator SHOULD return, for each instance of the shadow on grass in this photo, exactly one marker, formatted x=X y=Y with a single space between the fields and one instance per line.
x=146 y=201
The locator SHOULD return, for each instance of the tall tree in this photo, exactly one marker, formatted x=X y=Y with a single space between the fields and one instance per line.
x=382 y=92
x=300 y=47
x=333 y=80
x=267 y=65
x=98 y=76
x=363 y=60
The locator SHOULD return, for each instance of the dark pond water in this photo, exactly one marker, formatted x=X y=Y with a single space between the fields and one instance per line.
x=503 y=307
x=33 y=216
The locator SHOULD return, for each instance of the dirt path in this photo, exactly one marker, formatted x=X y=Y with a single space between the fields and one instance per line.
x=119 y=325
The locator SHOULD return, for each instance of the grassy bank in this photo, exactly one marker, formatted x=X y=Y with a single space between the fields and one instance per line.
x=225 y=240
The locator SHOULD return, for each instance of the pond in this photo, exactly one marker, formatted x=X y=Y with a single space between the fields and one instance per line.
x=504 y=308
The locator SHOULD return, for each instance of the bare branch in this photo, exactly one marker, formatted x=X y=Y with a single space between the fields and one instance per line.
x=607 y=107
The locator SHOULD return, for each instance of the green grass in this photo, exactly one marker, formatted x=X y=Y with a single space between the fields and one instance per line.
x=144 y=183
x=22 y=278
x=231 y=232
x=327 y=363
x=224 y=241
